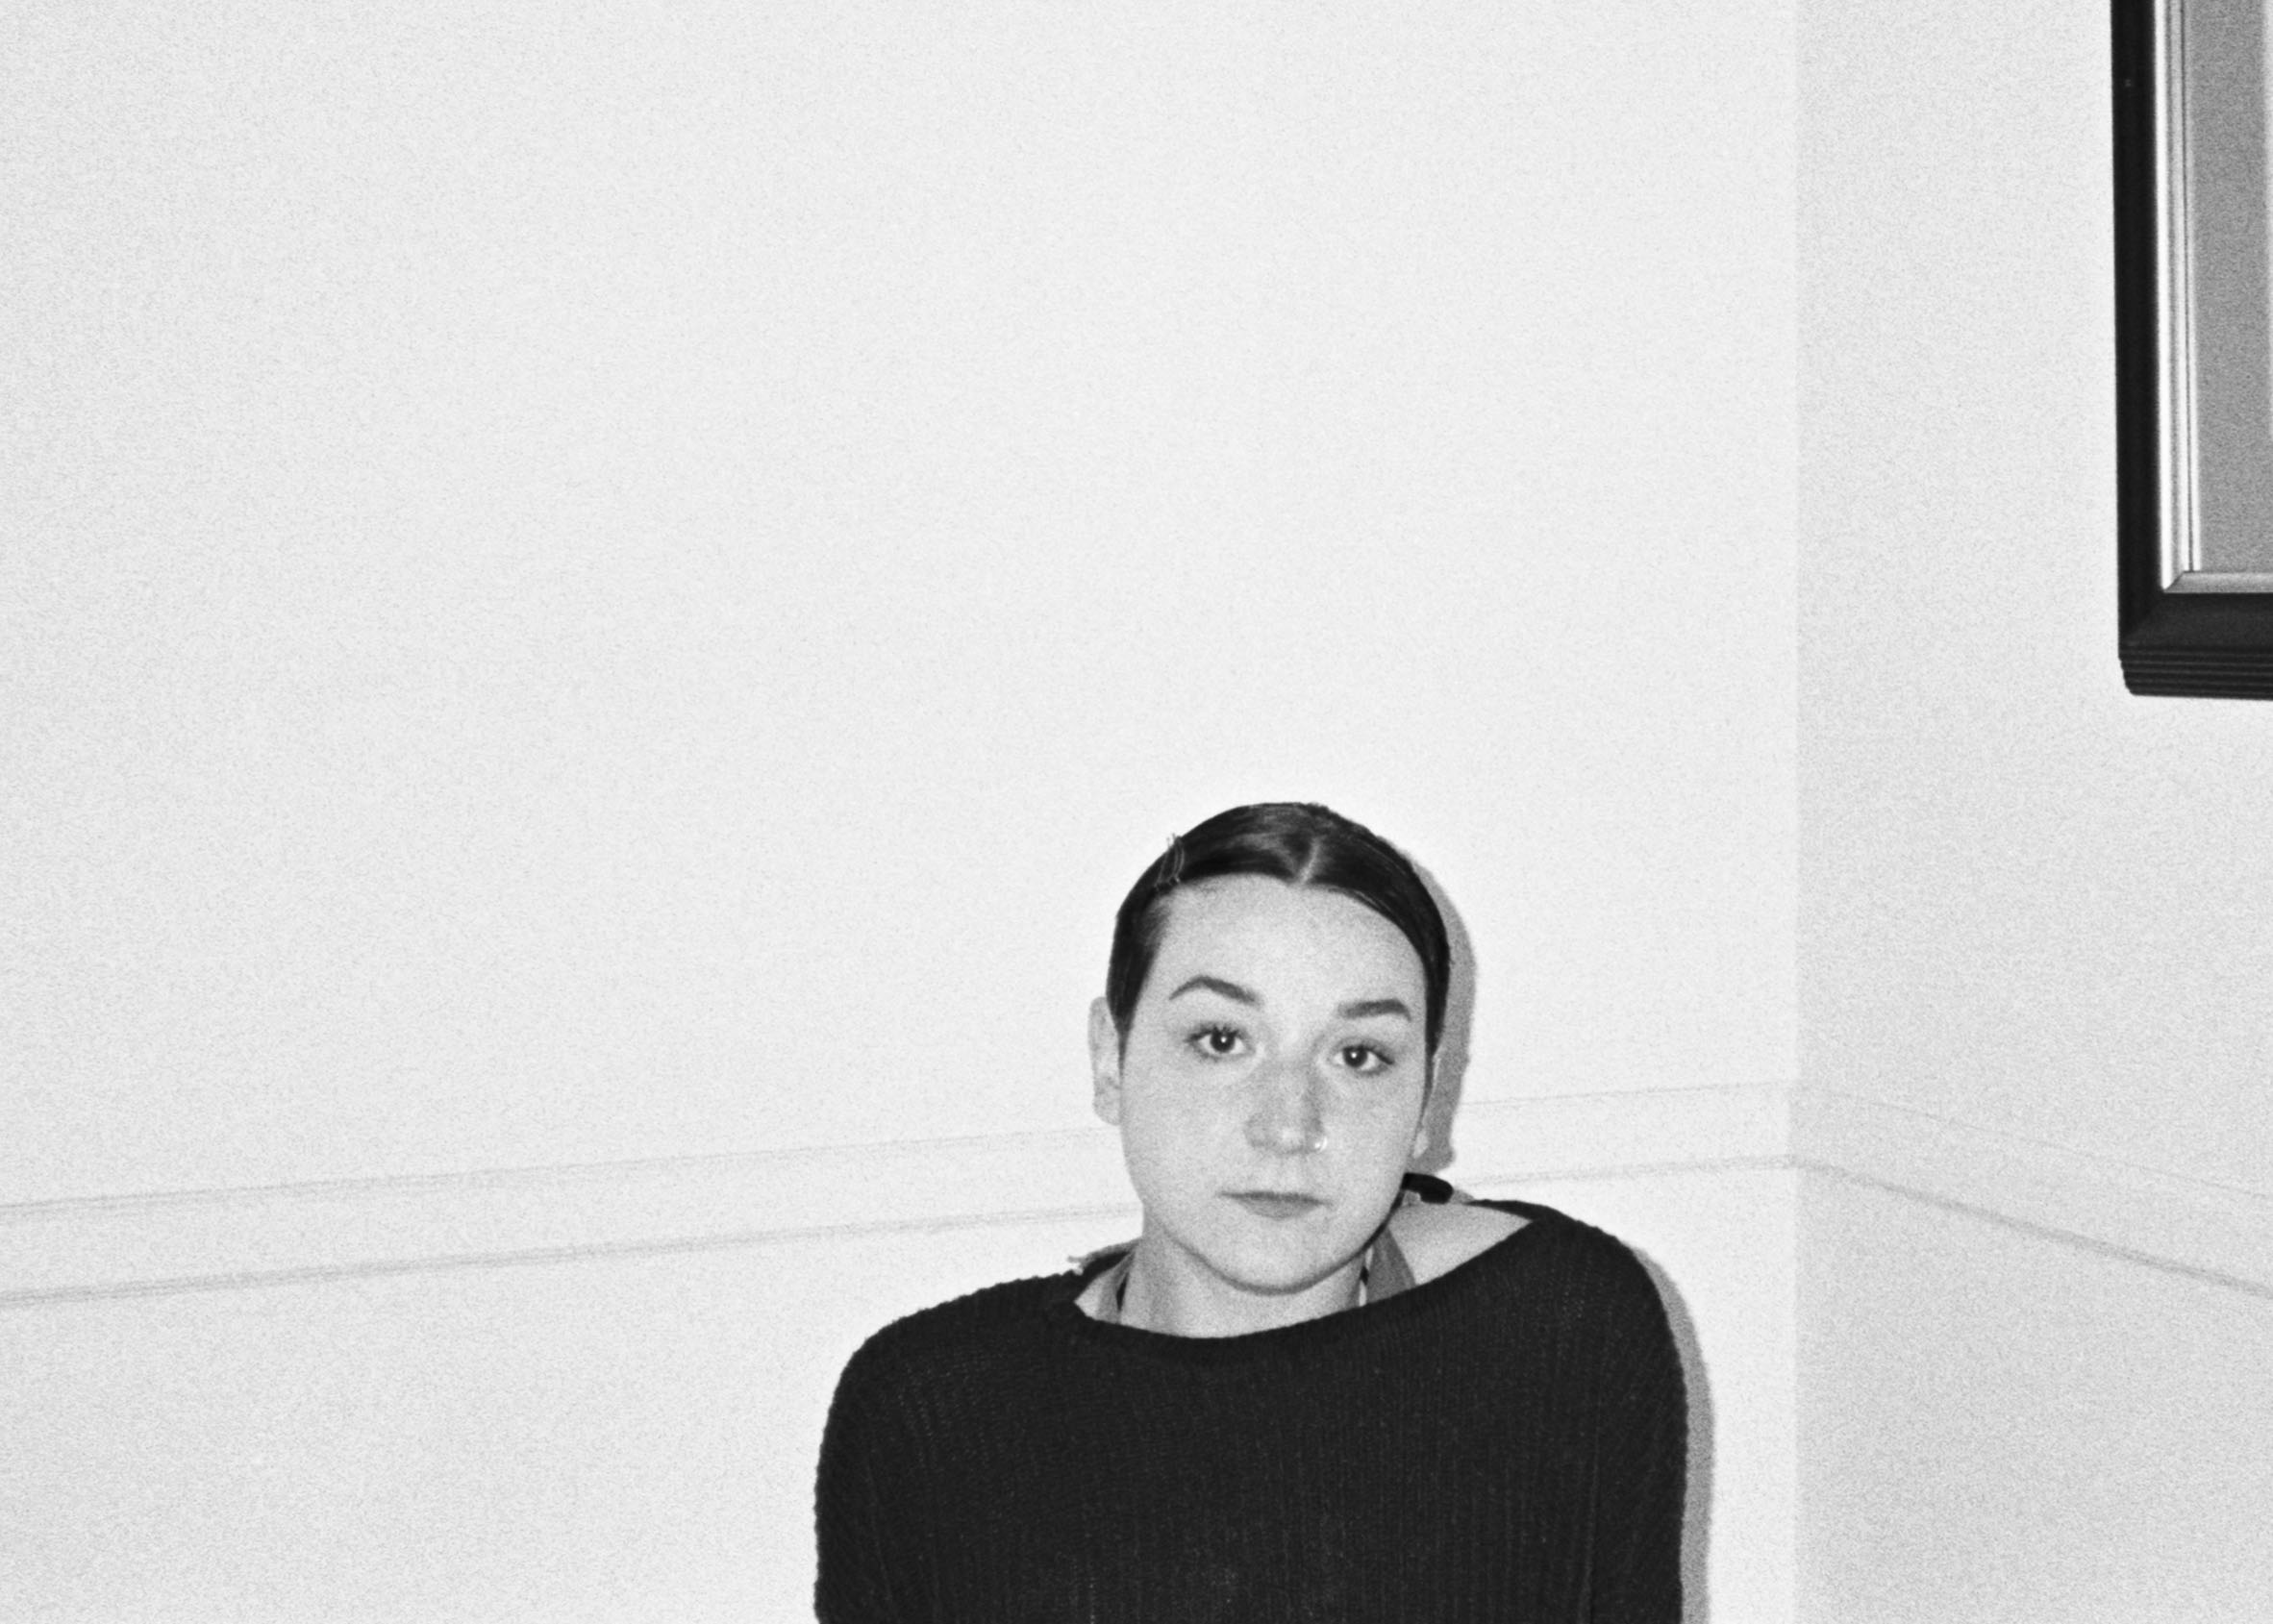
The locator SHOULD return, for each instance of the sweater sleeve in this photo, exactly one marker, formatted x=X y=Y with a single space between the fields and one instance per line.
x=857 y=1530
x=1642 y=1469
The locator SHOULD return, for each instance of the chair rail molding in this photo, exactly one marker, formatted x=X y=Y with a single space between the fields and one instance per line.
x=57 y=1251
x=2190 y=1225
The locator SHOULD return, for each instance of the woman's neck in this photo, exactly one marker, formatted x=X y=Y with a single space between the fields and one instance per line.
x=1194 y=1301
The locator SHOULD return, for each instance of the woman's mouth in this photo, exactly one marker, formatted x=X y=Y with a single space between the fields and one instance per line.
x=1264 y=1205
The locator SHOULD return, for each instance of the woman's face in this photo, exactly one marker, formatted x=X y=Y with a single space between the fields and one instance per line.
x=1268 y=1094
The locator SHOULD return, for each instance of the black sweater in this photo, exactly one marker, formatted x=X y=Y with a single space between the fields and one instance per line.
x=1505 y=1442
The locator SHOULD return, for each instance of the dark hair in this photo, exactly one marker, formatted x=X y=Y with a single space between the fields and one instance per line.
x=1302 y=844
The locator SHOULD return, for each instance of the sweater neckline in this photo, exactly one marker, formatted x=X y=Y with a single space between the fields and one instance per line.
x=1063 y=1309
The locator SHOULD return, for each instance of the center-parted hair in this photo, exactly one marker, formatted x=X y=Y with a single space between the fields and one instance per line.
x=1302 y=844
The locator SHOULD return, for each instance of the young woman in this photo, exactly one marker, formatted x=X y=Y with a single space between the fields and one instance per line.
x=1315 y=1387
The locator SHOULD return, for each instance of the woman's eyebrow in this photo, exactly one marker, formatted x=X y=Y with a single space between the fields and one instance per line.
x=1231 y=990
x=1364 y=1006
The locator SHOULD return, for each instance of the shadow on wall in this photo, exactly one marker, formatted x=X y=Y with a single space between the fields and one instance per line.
x=1452 y=1048
x=1452 y=1070
x=1696 y=1517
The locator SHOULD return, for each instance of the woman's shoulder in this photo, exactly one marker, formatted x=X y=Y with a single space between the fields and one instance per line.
x=963 y=1334
x=1438 y=1237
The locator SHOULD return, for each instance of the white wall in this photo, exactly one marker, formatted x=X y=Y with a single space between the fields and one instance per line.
x=1996 y=1423
x=2030 y=900
x=2033 y=954
x=638 y=590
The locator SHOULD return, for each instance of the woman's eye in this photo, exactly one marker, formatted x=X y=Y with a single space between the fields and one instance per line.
x=1217 y=1042
x=1364 y=1059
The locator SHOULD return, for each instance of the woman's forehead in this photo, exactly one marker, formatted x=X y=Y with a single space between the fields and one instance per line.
x=1268 y=927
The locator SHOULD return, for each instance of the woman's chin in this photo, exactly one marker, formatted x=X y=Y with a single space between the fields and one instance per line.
x=1276 y=1266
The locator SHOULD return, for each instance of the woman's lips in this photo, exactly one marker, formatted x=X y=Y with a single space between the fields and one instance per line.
x=1264 y=1205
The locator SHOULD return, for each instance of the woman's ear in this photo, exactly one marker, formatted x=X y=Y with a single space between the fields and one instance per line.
x=1105 y=1063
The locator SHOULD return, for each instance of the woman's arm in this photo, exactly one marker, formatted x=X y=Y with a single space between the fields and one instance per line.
x=861 y=1532
x=1642 y=1462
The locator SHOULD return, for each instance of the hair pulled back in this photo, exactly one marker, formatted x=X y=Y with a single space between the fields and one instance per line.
x=1298 y=842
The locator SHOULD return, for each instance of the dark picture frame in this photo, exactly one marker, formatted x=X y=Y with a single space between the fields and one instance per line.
x=2193 y=353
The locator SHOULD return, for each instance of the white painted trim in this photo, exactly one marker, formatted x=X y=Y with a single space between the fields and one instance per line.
x=2178 y=1223
x=218 y=1238
x=57 y=1250
x=62 y=1250
x=1607 y=1136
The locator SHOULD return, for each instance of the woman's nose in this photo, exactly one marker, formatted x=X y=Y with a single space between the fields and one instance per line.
x=1285 y=1118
